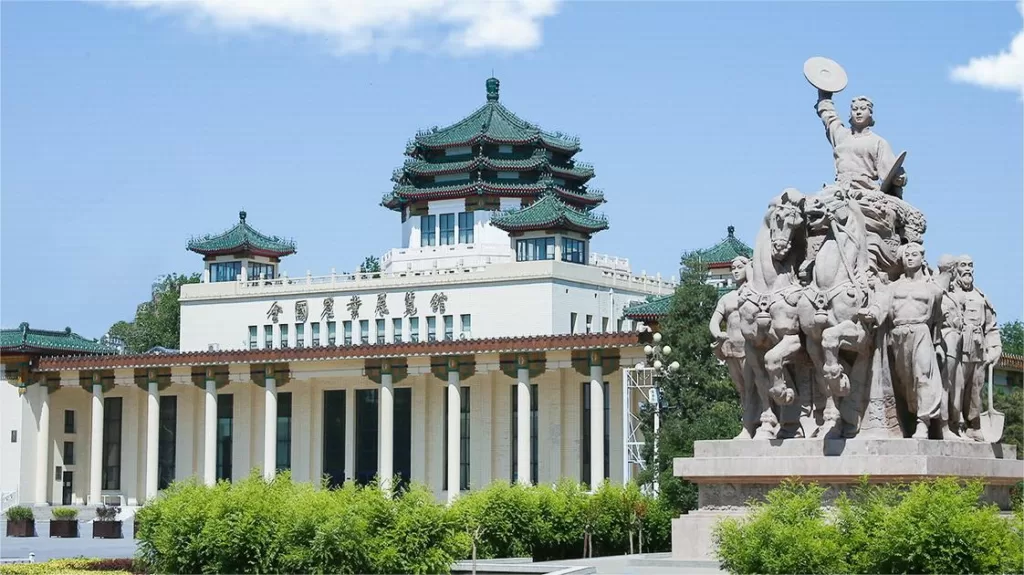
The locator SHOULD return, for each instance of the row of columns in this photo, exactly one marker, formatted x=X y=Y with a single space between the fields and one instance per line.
x=385 y=448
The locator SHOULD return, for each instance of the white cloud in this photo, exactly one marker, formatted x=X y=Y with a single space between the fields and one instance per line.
x=378 y=25
x=1002 y=71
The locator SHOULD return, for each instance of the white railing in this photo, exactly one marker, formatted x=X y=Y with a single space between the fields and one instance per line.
x=610 y=262
x=8 y=500
x=8 y=560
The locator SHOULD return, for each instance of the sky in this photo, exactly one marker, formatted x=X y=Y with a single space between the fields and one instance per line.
x=128 y=127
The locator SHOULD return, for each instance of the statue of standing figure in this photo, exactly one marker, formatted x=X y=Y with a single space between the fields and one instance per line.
x=730 y=346
x=981 y=344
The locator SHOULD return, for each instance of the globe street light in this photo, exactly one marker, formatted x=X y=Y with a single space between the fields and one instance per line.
x=657 y=356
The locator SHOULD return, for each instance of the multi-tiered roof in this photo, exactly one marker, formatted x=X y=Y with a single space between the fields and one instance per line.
x=473 y=157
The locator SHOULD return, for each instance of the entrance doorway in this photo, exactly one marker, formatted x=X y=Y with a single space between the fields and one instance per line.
x=67 y=489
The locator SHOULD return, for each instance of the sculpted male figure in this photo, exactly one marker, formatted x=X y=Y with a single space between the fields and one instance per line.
x=730 y=346
x=913 y=306
x=952 y=348
x=862 y=157
x=981 y=345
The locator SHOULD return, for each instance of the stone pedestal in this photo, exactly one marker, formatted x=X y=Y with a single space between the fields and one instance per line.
x=731 y=473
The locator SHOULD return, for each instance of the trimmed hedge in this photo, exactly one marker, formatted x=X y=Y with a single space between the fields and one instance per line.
x=73 y=567
x=927 y=527
x=282 y=526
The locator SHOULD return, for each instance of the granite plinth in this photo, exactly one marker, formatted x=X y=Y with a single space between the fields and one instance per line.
x=731 y=473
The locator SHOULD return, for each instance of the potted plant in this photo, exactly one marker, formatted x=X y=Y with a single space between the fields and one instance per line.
x=64 y=522
x=21 y=522
x=106 y=525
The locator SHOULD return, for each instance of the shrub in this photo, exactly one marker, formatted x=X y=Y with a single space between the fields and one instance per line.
x=20 y=513
x=64 y=513
x=107 y=512
x=75 y=566
x=927 y=527
x=500 y=519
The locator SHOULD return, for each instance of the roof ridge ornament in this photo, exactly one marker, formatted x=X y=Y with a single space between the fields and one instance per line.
x=241 y=216
x=492 y=89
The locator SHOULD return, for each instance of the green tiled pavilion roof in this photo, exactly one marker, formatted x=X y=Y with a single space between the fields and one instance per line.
x=726 y=250
x=494 y=123
x=403 y=193
x=658 y=307
x=25 y=339
x=242 y=237
x=549 y=213
x=536 y=162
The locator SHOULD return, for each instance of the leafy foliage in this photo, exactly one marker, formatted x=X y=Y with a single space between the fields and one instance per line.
x=64 y=513
x=370 y=265
x=157 y=321
x=19 y=513
x=74 y=566
x=927 y=527
x=107 y=512
x=1011 y=403
x=1012 y=335
x=702 y=400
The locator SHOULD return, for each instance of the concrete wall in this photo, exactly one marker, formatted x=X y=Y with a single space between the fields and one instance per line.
x=10 y=447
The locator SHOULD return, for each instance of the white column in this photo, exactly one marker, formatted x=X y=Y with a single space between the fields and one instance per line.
x=96 y=442
x=386 y=429
x=210 y=434
x=270 y=428
x=152 y=437
x=596 y=426
x=43 y=478
x=523 y=438
x=350 y=434
x=453 y=435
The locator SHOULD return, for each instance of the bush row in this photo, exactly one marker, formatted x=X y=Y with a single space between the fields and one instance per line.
x=283 y=526
x=73 y=567
x=927 y=527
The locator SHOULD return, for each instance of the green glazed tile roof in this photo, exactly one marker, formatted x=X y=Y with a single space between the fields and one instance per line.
x=494 y=123
x=537 y=162
x=549 y=213
x=404 y=193
x=239 y=238
x=726 y=250
x=24 y=338
x=658 y=307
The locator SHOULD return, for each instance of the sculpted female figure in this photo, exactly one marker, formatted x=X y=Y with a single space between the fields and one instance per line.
x=730 y=346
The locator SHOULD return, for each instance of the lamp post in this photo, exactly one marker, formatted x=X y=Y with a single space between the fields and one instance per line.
x=657 y=358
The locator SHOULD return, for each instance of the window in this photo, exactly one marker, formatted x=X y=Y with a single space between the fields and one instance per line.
x=414 y=329
x=604 y=325
x=225 y=271
x=447 y=229
x=465 y=227
x=366 y=435
x=112 y=443
x=427 y=231
x=618 y=324
x=166 y=441
x=364 y=330
x=508 y=175
x=316 y=333
x=449 y=328
x=332 y=333
x=590 y=323
x=14 y=436
x=431 y=328
x=380 y=331
x=69 y=421
x=347 y=326
x=225 y=412
x=253 y=341
x=258 y=269
x=534 y=444
x=268 y=337
x=467 y=326
x=284 y=431
x=535 y=249
x=334 y=436
x=572 y=322
x=402 y=446
x=504 y=148
x=69 y=453
x=300 y=335
x=463 y=440
x=573 y=251
x=396 y=329
x=284 y=335
x=585 y=469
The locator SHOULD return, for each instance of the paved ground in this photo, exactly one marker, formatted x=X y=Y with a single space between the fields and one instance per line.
x=647 y=564
x=57 y=548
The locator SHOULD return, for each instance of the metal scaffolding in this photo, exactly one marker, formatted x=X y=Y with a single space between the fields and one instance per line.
x=638 y=391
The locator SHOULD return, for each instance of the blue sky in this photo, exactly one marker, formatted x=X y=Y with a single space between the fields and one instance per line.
x=128 y=128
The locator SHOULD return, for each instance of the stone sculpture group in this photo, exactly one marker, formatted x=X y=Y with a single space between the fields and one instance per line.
x=839 y=327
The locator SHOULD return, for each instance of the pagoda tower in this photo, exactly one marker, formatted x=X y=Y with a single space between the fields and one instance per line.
x=240 y=253
x=469 y=192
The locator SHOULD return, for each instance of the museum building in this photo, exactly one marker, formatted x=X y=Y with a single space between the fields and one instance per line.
x=489 y=346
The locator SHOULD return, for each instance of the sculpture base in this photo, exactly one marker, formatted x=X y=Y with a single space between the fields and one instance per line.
x=730 y=473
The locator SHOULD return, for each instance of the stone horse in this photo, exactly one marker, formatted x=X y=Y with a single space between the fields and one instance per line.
x=829 y=305
x=768 y=313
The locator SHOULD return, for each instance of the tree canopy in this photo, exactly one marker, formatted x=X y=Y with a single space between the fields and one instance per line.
x=157 y=321
x=1013 y=337
x=370 y=265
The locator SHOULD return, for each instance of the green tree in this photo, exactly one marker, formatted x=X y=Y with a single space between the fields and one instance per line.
x=1013 y=337
x=157 y=321
x=370 y=265
x=702 y=401
x=1011 y=403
